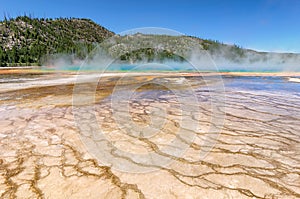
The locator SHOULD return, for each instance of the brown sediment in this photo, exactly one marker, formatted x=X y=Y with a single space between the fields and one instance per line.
x=257 y=154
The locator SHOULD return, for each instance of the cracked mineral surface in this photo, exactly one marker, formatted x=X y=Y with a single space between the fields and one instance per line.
x=50 y=148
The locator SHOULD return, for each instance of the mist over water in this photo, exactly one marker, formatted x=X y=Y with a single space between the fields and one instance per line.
x=194 y=59
x=206 y=62
x=270 y=62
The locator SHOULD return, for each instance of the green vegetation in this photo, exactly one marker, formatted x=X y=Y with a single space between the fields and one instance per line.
x=149 y=47
x=27 y=41
x=150 y=54
x=32 y=41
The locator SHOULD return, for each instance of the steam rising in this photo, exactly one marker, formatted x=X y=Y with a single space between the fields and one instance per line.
x=224 y=58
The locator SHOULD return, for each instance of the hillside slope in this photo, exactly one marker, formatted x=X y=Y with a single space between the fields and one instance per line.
x=147 y=47
x=27 y=40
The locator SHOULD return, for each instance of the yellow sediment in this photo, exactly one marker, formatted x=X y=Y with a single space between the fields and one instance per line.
x=42 y=155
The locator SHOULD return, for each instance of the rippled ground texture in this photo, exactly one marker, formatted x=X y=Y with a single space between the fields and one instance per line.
x=49 y=149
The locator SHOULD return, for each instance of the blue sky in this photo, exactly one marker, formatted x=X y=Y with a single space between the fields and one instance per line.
x=271 y=25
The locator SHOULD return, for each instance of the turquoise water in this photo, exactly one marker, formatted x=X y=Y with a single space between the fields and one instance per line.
x=125 y=67
x=173 y=66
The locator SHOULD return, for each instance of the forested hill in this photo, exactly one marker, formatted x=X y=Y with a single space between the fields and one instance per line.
x=31 y=41
x=25 y=40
